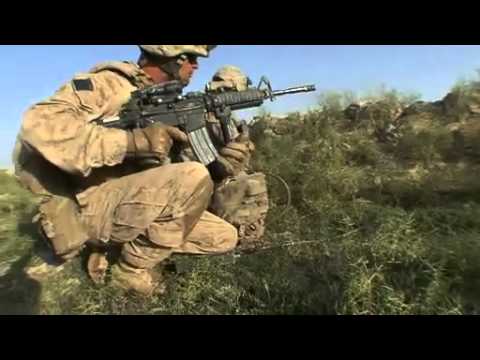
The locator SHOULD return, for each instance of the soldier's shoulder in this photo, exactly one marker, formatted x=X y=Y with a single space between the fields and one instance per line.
x=126 y=68
x=111 y=74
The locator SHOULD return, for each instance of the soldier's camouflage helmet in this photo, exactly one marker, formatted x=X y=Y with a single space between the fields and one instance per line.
x=229 y=77
x=171 y=51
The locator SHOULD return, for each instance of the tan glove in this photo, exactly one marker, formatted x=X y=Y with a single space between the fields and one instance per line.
x=235 y=157
x=155 y=141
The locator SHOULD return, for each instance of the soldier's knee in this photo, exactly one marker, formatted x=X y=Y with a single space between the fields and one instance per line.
x=227 y=238
x=232 y=239
x=195 y=170
x=196 y=175
x=187 y=175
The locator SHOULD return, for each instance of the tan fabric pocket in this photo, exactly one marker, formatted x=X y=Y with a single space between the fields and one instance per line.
x=61 y=223
x=133 y=216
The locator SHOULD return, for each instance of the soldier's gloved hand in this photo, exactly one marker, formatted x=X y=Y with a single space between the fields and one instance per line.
x=155 y=141
x=235 y=157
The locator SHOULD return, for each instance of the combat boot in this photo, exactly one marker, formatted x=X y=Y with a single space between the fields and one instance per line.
x=143 y=281
x=97 y=266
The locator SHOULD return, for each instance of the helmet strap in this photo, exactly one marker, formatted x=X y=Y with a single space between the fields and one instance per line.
x=172 y=67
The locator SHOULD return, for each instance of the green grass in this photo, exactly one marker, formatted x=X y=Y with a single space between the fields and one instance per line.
x=383 y=228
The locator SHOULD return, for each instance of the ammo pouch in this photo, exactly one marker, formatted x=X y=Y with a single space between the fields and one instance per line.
x=243 y=202
x=60 y=223
x=59 y=218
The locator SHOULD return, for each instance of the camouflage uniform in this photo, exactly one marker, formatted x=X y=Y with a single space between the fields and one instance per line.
x=92 y=192
x=242 y=199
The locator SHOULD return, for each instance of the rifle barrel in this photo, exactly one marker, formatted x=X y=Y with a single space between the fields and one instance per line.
x=294 y=90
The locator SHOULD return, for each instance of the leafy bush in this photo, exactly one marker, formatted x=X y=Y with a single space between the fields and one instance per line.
x=373 y=228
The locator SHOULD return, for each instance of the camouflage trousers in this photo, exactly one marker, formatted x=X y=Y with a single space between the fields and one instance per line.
x=156 y=213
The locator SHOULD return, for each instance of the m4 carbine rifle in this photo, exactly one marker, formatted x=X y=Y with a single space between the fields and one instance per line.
x=165 y=104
